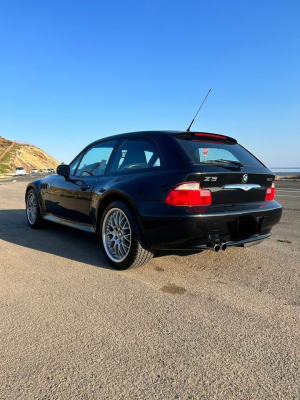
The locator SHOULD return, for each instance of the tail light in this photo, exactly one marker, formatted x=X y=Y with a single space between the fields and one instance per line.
x=270 y=193
x=188 y=194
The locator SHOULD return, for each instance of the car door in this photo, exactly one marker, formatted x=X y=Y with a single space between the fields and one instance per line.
x=70 y=197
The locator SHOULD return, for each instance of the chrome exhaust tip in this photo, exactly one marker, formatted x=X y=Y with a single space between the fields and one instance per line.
x=217 y=248
x=213 y=246
x=223 y=246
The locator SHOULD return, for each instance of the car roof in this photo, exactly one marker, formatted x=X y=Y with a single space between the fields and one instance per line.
x=150 y=134
x=161 y=136
x=136 y=134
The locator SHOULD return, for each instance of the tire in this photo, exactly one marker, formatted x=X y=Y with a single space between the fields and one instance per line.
x=120 y=238
x=33 y=213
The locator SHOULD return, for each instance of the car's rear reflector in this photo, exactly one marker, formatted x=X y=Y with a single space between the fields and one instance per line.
x=188 y=194
x=270 y=192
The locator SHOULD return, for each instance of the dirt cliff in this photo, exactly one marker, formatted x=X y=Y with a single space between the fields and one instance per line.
x=13 y=154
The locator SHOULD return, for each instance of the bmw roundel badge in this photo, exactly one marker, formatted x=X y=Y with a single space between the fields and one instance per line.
x=245 y=178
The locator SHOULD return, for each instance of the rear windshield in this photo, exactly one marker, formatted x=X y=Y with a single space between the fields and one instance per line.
x=201 y=152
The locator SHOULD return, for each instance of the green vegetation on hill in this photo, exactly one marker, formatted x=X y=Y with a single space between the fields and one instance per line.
x=14 y=155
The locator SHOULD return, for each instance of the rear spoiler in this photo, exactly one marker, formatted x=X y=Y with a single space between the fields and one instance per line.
x=205 y=137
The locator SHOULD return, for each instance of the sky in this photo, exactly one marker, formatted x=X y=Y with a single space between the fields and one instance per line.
x=74 y=71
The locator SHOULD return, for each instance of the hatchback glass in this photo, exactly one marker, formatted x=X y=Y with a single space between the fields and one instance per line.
x=211 y=152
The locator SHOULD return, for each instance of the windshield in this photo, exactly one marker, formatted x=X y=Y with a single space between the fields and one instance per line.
x=201 y=152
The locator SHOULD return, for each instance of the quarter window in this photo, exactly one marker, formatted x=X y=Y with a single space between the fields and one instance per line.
x=95 y=160
x=135 y=154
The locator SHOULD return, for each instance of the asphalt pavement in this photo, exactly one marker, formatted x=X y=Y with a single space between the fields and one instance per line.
x=22 y=178
x=185 y=326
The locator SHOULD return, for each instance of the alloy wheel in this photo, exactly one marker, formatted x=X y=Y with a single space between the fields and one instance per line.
x=116 y=235
x=32 y=209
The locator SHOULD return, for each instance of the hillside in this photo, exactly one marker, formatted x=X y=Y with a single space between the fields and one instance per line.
x=13 y=154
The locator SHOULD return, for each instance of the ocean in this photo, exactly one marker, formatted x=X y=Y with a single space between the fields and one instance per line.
x=286 y=171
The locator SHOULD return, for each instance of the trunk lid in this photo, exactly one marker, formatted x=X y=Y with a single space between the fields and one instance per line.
x=233 y=186
x=228 y=170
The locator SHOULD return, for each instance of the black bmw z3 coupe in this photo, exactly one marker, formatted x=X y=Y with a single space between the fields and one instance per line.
x=145 y=191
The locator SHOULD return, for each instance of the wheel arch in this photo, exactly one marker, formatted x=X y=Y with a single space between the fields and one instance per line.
x=118 y=196
x=32 y=186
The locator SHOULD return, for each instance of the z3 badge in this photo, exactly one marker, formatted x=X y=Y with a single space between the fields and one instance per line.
x=210 y=179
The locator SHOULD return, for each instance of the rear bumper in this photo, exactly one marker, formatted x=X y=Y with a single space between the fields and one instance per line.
x=167 y=227
x=241 y=243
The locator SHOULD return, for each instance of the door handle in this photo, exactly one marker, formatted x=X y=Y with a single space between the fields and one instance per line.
x=84 y=187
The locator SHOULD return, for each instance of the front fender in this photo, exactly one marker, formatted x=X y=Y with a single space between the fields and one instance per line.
x=37 y=186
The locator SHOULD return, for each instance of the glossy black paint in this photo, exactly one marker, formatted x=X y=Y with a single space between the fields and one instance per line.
x=234 y=215
x=63 y=170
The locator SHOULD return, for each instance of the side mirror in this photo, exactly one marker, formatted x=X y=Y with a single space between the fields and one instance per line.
x=63 y=170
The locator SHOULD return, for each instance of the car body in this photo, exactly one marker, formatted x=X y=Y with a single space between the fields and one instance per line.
x=162 y=190
x=19 y=171
x=34 y=171
x=45 y=171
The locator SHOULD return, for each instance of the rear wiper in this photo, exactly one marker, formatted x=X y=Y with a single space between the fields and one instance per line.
x=232 y=162
x=222 y=161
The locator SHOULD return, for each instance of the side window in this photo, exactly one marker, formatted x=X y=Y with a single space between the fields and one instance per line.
x=95 y=160
x=74 y=164
x=135 y=154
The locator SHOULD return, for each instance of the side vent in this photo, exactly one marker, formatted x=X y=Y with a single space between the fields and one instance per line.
x=44 y=186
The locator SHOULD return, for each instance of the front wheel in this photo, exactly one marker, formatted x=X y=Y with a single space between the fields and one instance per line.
x=33 y=214
x=121 y=239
